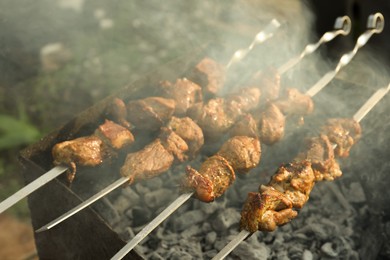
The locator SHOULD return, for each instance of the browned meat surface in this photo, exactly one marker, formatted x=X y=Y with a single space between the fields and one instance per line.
x=343 y=132
x=295 y=180
x=214 y=177
x=245 y=126
x=268 y=82
x=319 y=151
x=85 y=151
x=117 y=111
x=266 y=210
x=174 y=144
x=210 y=75
x=185 y=93
x=114 y=135
x=243 y=101
x=189 y=131
x=271 y=124
x=242 y=152
x=150 y=113
x=293 y=102
x=147 y=163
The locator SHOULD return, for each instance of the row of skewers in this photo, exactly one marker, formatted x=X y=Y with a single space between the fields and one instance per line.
x=183 y=122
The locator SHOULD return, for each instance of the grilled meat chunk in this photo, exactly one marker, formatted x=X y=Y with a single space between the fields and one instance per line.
x=214 y=177
x=91 y=150
x=344 y=132
x=293 y=102
x=117 y=111
x=268 y=82
x=244 y=100
x=217 y=173
x=210 y=75
x=319 y=151
x=150 y=113
x=184 y=92
x=242 y=152
x=189 y=131
x=245 y=126
x=174 y=144
x=271 y=124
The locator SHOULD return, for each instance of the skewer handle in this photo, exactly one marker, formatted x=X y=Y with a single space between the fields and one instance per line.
x=342 y=26
x=31 y=187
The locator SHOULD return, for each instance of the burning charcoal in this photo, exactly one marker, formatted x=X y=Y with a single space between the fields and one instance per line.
x=278 y=242
x=141 y=215
x=121 y=204
x=211 y=237
x=210 y=254
x=157 y=198
x=155 y=183
x=188 y=219
x=329 y=250
x=130 y=195
x=307 y=255
x=191 y=231
x=226 y=219
x=155 y=256
x=178 y=254
x=355 y=193
x=210 y=208
x=107 y=211
x=247 y=251
x=206 y=227
x=141 y=188
x=127 y=234
x=315 y=229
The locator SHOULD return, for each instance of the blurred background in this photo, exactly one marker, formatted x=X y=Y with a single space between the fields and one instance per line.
x=59 y=57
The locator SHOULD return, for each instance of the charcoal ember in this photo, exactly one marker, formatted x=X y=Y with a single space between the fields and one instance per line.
x=157 y=198
x=210 y=253
x=192 y=246
x=127 y=234
x=178 y=254
x=307 y=255
x=122 y=203
x=329 y=249
x=206 y=227
x=249 y=251
x=210 y=208
x=191 y=231
x=141 y=189
x=155 y=256
x=315 y=230
x=132 y=196
x=211 y=237
x=141 y=215
x=354 y=193
x=155 y=183
x=296 y=251
x=226 y=219
x=107 y=211
x=278 y=241
x=187 y=219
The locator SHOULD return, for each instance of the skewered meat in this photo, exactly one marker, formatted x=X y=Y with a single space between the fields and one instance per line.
x=217 y=173
x=189 y=131
x=319 y=151
x=185 y=93
x=344 y=132
x=293 y=102
x=158 y=156
x=271 y=124
x=210 y=75
x=268 y=82
x=150 y=113
x=91 y=150
x=117 y=111
x=218 y=115
x=245 y=126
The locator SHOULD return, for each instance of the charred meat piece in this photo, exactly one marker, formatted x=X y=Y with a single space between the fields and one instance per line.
x=189 y=131
x=295 y=180
x=245 y=126
x=293 y=102
x=242 y=152
x=217 y=173
x=271 y=124
x=184 y=92
x=117 y=111
x=319 y=151
x=147 y=163
x=243 y=101
x=266 y=210
x=343 y=132
x=91 y=150
x=150 y=113
x=214 y=177
x=268 y=82
x=210 y=75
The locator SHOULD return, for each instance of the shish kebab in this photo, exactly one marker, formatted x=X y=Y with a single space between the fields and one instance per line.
x=342 y=26
x=221 y=164
x=289 y=188
x=261 y=37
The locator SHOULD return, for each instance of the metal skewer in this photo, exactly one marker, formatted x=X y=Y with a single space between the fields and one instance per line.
x=237 y=56
x=359 y=115
x=342 y=26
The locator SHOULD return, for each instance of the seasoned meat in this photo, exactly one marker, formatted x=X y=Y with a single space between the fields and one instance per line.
x=295 y=180
x=210 y=75
x=245 y=126
x=293 y=102
x=343 y=132
x=242 y=152
x=212 y=118
x=268 y=82
x=271 y=124
x=319 y=151
x=85 y=151
x=114 y=135
x=214 y=177
x=147 y=163
x=243 y=101
x=184 y=92
x=117 y=111
x=150 y=113
x=266 y=210
x=173 y=143
x=189 y=131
